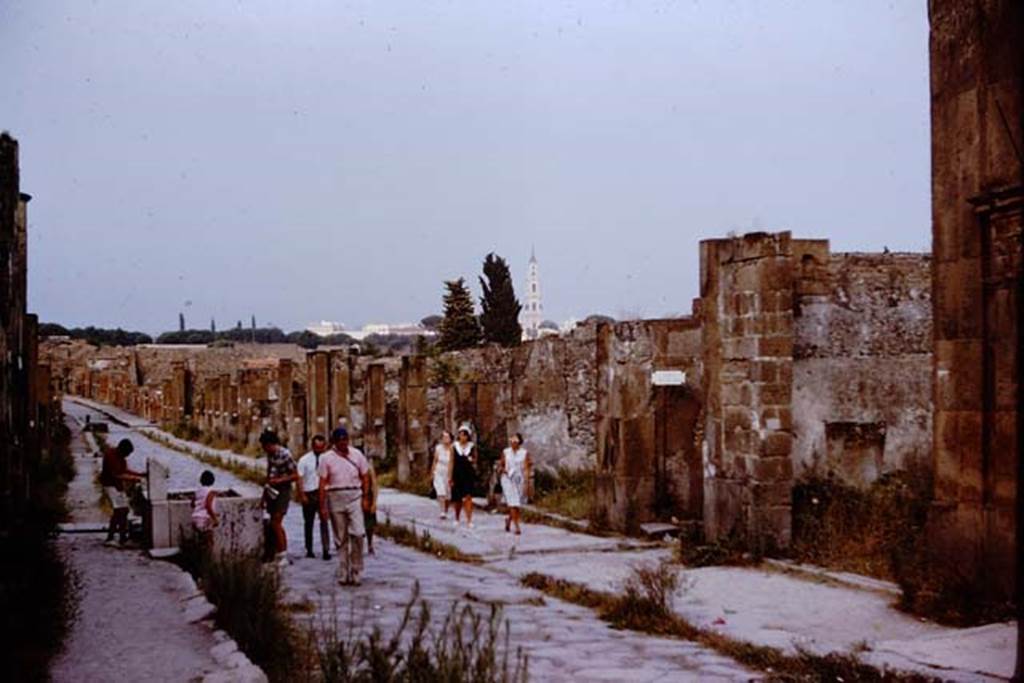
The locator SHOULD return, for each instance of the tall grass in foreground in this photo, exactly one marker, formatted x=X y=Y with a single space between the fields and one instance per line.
x=250 y=607
x=467 y=646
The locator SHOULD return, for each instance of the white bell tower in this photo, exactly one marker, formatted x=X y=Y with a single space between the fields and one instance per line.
x=533 y=312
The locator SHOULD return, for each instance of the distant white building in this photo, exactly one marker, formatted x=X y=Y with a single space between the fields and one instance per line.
x=391 y=329
x=569 y=325
x=325 y=328
x=532 y=314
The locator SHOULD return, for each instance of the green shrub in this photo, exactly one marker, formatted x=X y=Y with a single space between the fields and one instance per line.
x=564 y=491
x=868 y=531
x=183 y=430
x=730 y=550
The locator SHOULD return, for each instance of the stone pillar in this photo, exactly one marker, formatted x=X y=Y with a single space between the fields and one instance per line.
x=236 y=427
x=182 y=389
x=223 y=416
x=283 y=408
x=339 y=372
x=318 y=416
x=747 y=302
x=977 y=81
x=374 y=433
x=414 y=451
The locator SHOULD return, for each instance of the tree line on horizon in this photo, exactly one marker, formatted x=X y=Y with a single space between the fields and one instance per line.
x=460 y=327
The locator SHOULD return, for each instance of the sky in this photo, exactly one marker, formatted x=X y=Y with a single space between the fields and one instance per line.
x=336 y=160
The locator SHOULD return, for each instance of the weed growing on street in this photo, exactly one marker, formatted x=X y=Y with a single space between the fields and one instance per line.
x=467 y=646
x=424 y=542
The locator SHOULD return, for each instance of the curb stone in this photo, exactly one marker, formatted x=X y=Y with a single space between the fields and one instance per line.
x=249 y=674
x=223 y=651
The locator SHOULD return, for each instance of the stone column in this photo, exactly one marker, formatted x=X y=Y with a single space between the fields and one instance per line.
x=318 y=416
x=977 y=105
x=339 y=372
x=413 y=452
x=747 y=302
x=374 y=433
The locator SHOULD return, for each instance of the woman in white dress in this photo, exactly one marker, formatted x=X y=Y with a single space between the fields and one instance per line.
x=441 y=473
x=514 y=468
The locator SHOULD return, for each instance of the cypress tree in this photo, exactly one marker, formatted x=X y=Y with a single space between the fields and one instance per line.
x=459 y=328
x=500 y=315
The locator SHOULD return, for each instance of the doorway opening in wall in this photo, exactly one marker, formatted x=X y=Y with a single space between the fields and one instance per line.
x=679 y=475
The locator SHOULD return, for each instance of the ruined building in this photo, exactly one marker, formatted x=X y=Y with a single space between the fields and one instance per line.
x=795 y=360
x=977 y=81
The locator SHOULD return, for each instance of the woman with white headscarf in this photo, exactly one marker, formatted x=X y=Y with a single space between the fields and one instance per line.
x=464 y=474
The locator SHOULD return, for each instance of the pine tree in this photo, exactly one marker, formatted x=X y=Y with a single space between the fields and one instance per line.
x=181 y=322
x=460 y=328
x=500 y=308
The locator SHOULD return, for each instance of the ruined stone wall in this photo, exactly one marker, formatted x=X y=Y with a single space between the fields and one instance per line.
x=648 y=435
x=977 y=81
x=812 y=361
x=29 y=401
x=862 y=364
x=545 y=389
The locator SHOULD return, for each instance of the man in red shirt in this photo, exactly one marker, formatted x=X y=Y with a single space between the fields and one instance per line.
x=114 y=478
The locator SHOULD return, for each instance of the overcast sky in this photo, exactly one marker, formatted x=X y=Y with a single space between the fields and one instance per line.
x=339 y=160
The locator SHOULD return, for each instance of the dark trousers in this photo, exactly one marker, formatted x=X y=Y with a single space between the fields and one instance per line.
x=310 y=511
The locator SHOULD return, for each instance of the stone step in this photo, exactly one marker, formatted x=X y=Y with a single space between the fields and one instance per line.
x=82 y=527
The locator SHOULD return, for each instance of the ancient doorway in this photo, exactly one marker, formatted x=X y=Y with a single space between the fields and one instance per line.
x=679 y=476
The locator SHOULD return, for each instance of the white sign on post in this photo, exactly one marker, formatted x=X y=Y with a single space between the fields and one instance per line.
x=668 y=378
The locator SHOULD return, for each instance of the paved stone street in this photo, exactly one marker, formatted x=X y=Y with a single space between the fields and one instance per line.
x=563 y=641
x=759 y=605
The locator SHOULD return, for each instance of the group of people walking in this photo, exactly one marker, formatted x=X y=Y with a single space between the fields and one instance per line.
x=336 y=485
x=453 y=476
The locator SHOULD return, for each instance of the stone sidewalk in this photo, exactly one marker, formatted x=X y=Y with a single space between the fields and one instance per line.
x=762 y=605
x=137 y=618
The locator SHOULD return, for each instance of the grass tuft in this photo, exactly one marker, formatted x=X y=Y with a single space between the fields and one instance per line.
x=424 y=542
x=467 y=646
